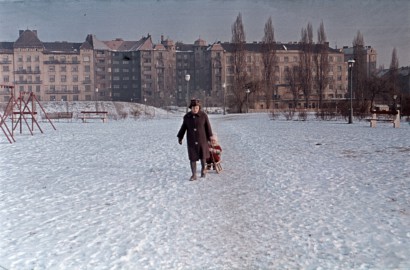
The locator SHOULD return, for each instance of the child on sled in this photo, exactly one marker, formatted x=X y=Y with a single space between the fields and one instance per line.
x=215 y=152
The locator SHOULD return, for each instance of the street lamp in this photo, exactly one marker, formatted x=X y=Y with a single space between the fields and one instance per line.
x=350 y=64
x=96 y=99
x=187 y=78
x=394 y=103
x=247 y=100
x=224 y=93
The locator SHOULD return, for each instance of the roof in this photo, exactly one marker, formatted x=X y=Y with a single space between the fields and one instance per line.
x=121 y=45
x=257 y=47
x=28 y=39
x=6 y=47
x=64 y=47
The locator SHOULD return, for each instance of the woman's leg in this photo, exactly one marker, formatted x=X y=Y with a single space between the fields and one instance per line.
x=193 y=170
x=203 y=168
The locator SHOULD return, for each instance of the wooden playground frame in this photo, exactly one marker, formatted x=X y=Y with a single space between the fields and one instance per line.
x=19 y=109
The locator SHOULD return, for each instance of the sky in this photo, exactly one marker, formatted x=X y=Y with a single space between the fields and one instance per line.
x=384 y=24
x=292 y=194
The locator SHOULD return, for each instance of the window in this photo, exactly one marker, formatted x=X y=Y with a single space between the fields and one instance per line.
x=87 y=69
x=86 y=59
x=37 y=88
x=28 y=58
x=63 y=78
x=52 y=78
x=63 y=68
x=6 y=68
x=51 y=68
x=74 y=69
x=75 y=78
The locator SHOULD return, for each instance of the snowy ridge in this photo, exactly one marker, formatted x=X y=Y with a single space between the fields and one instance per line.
x=116 y=110
x=293 y=195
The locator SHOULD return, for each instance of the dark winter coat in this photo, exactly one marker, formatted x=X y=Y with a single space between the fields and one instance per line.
x=199 y=132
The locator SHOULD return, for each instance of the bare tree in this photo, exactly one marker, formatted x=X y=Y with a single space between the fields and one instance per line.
x=377 y=89
x=269 y=61
x=394 y=74
x=306 y=62
x=292 y=79
x=239 y=63
x=359 y=71
x=321 y=59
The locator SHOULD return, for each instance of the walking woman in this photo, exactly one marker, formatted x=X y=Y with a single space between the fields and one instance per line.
x=199 y=132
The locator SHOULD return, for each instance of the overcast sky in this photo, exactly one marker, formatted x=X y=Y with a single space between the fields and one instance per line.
x=385 y=24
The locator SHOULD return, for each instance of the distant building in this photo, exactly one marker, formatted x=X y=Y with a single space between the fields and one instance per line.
x=154 y=74
x=370 y=56
x=52 y=70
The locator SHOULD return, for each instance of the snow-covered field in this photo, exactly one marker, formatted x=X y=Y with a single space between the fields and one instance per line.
x=293 y=195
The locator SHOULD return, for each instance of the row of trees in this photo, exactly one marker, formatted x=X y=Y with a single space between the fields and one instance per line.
x=310 y=74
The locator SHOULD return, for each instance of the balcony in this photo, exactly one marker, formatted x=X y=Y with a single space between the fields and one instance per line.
x=57 y=62
x=56 y=92
x=28 y=82
x=25 y=71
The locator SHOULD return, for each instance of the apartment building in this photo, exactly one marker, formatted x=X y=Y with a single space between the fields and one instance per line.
x=287 y=56
x=370 y=56
x=52 y=70
x=155 y=74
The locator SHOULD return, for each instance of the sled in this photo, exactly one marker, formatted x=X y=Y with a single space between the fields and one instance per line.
x=216 y=165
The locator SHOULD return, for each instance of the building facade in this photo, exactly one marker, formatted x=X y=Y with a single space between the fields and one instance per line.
x=53 y=71
x=155 y=74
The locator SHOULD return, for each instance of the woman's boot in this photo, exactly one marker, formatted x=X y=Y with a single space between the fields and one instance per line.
x=203 y=168
x=193 y=169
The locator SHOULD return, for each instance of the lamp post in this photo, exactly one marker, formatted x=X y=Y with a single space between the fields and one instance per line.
x=350 y=64
x=394 y=103
x=247 y=100
x=187 y=78
x=96 y=99
x=224 y=93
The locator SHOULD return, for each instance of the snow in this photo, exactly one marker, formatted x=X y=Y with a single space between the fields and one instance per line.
x=292 y=195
